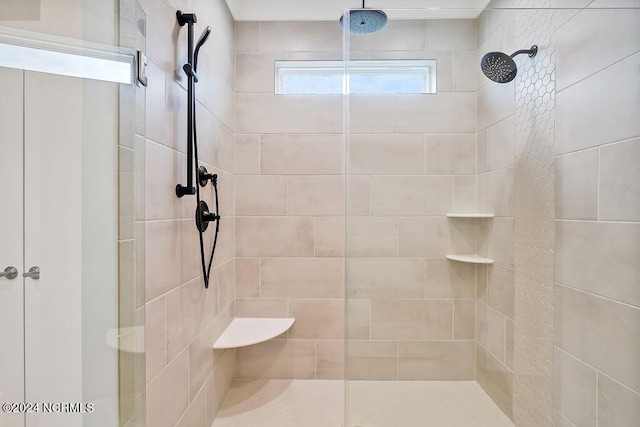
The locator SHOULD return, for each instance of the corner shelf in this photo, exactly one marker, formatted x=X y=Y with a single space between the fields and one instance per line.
x=244 y=331
x=476 y=215
x=472 y=259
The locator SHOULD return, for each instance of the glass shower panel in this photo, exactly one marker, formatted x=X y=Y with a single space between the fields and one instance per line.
x=411 y=162
x=465 y=213
x=68 y=168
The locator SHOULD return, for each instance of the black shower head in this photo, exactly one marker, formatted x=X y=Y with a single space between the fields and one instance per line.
x=500 y=67
x=203 y=38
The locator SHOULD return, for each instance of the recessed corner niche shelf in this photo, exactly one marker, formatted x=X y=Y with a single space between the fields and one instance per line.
x=472 y=215
x=473 y=259
x=244 y=331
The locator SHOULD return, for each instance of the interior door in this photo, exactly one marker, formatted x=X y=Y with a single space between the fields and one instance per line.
x=11 y=244
x=53 y=243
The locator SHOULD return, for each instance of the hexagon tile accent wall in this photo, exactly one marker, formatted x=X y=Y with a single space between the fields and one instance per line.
x=535 y=218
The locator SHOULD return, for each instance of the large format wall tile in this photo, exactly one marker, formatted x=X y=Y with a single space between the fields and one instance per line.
x=168 y=394
x=256 y=72
x=330 y=359
x=501 y=150
x=446 y=112
x=496 y=102
x=450 y=154
x=317 y=319
x=316 y=195
x=269 y=113
x=372 y=360
x=274 y=236
x=371 y=237
x=451 y=34
x=600 y=258
x=575 y=389
x=373 y=114
x=435 y=237
x=404 y=35
x=261 y=195
x=302 y=277
x=449 y=279
x=589 y=327
x=386 y=278
x=387 y=155
x=617 y=405
x=436 y=360
x=495 y=379
x=287 y=359
x=577 y=185
x=587 y=45
x=163 y=257
x=490 y=330
x=411 y=195
x=585 y=110
x=155 y=337
x=411 y=320
x=301 y=154
x=300 y=36
x=619 y=189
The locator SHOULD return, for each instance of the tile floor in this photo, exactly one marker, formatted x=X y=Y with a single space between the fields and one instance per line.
x=309 y=403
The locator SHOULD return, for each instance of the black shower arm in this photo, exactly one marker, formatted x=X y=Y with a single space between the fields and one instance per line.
x=531 y=52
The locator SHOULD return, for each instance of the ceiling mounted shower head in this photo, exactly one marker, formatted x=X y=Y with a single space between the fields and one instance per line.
x=365 y=21
x=500 y=67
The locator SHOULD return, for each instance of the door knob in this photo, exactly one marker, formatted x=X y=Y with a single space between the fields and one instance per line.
x=34 y=273
x=10 y=273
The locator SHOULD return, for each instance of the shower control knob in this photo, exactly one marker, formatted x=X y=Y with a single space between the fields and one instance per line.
x=10 y=273
x=34 y=273
x=204 y=177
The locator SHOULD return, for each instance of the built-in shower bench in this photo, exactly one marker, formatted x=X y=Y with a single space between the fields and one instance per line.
x=244 y=331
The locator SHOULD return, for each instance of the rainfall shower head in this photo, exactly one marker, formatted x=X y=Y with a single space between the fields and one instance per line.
x=500 y=67
x=365 y=21
x=203 y=38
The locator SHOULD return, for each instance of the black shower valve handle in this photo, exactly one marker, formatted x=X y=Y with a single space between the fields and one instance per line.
x=210 y=216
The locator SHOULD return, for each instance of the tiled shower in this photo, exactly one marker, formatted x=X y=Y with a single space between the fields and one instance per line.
x=468 y=257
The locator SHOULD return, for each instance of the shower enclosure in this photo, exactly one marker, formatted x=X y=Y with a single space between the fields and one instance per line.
x=72 y=342
x=482 y=218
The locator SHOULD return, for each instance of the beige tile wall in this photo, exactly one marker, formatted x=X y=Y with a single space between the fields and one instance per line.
x=495 y=194
x=186 y=379
x=412 y=161
x=597 y=297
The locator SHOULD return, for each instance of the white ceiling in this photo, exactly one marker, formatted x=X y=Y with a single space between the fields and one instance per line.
x=327 y=10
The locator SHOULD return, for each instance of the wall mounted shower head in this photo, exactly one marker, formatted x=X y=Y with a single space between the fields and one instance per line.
x=203 y=38
x=365 y=21
x=500 y=67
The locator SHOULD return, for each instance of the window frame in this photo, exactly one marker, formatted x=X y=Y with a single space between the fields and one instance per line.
x=426 y=68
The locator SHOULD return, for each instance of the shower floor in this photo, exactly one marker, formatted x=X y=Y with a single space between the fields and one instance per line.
x=318 y=403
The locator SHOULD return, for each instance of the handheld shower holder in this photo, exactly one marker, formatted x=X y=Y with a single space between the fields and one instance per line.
x=186 y=18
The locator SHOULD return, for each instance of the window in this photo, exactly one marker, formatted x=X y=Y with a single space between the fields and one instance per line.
x=368 y=76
